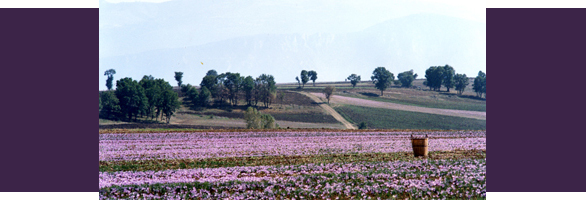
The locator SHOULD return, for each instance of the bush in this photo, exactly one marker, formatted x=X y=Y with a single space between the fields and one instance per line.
x=256 y=120
x=362 y=125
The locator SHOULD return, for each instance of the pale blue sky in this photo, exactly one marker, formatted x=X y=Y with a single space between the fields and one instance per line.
x=136 y=34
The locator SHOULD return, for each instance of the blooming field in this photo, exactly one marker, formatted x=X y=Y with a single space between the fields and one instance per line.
x=412 y=178
x=233 y=144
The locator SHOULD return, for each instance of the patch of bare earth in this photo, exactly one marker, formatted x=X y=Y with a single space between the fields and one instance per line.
x=393 y=106
x=330 y=110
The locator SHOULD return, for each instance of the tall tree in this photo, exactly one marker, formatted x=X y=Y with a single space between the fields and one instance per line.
x=304 y=77
x=354 y=79
x=313 y=76
x=219 y=91
x=298 y=81
x=267 y=88
x=161 y=104
x=406 y=78
x=131 y=96
x=110 y=74
x=248 y=87
x=233 y=83
x=479 y=85
x=382 y=79
x=208 y=81
x=205 y=97
x=461 y=81
x=170 y=103
x=178 y=77
x=152 y=91
x=193 y=95
x=448 y=77
x=328 y=92
x=211 y=82
x=434 y=77
x=212 y=72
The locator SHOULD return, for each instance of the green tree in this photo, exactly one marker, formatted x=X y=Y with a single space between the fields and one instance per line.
x=211 y=72
x=193 y=96
x=313 y=76
x=448 y=77
x=298 y=81
x=220 y=91
x=354 y=79
x=382 y=79
x=397 y=82
x=434 y=77
x=160 y=103
x=185 y=88
x=304 y=77
x=328 y=92
x=248 y=88
x=170 y=103
x=267 y=89
x=461 y=81
x=479 y=84
x=110 y=74
x=178 y=77
x=152 y=91
x=210 y=82
x=205 y=97
x=132 y=98
x=407 y=78
x=233 y=83
x=110 y=105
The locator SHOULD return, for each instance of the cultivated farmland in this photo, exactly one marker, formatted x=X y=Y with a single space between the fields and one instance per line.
x=291 y=164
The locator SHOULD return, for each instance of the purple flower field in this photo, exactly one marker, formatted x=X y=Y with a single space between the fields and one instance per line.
x=209 y=145
x=416 y=179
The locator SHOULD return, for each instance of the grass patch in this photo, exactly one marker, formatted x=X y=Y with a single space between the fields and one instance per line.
x=305 y=117
x=380 y=118
x=157 y=165
x=442 y=101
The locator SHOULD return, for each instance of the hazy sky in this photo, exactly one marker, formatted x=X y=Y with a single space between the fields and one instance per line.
x=473 y=10
x=132 y=27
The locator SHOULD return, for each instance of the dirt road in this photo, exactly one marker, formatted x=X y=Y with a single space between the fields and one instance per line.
x=330 y=110
x=377 y=104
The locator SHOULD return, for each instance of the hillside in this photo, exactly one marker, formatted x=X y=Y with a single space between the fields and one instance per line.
x=417 y=108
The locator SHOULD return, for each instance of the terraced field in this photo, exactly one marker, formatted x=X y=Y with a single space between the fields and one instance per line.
x=394 y=106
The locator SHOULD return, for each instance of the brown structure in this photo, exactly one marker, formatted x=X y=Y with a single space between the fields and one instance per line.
x=420 y=146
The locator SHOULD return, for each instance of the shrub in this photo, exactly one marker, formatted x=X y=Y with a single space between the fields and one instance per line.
x=362 y=125
x=256 y=120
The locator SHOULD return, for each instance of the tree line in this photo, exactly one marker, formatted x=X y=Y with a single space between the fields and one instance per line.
x=149 y=98
x=229 y=87
x=436 y=77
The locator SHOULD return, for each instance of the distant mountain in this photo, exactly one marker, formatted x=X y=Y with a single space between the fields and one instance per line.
x=179 y=23
x=398 y=44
